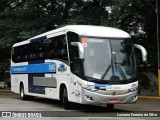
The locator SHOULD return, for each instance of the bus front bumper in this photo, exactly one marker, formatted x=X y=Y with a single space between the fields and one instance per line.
x=93 y=98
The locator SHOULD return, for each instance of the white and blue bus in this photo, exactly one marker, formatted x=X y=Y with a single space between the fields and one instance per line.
x=77 y=64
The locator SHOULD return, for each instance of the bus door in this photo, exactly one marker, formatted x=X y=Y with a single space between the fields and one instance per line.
x=75 y=64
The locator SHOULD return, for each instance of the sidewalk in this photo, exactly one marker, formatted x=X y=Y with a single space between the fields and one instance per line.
x=5 y=90
x=149 y=97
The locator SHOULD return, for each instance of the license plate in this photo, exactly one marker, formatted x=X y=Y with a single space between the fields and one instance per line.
x=112 y=101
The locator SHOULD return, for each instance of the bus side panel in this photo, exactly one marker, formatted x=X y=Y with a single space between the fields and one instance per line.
x=17 y=78
x=77 y=89
x=52 y=92
x=32 y=88
x=15 y=82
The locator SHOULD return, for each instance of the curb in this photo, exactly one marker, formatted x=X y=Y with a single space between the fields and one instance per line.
x=1 y=90
x=150 y=97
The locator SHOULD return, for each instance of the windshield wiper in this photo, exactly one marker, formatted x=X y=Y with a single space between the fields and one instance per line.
x=110 y=66
x=105 y=73
x=117 y=66
x=115 y=69
x=121 y=72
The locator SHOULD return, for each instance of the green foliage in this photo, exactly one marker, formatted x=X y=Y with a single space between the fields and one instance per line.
x=23 y=19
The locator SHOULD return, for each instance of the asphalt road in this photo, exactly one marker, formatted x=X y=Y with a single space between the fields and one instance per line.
x=12 y=102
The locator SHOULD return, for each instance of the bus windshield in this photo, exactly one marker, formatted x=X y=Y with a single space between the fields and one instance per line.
x=109 y=59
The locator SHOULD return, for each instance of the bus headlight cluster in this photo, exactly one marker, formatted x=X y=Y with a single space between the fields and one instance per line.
x=90 y=88
x=133 y=89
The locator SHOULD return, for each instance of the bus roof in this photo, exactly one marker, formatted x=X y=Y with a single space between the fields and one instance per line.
x=99 y=31
x=85 y=30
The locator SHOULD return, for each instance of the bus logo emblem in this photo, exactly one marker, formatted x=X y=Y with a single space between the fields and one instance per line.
x=114 y=93
x=62 y=68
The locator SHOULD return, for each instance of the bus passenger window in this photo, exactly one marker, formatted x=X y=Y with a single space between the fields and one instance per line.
x=58 y=48
x=32 y=56
x=41 y=55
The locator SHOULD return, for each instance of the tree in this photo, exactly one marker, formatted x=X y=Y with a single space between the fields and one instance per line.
x=23 y=19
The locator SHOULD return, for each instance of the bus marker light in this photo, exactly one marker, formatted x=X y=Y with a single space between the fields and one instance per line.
x=84 y=42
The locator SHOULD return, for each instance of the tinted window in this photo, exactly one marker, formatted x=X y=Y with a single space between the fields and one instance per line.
x=53 y=48
x=57 y=48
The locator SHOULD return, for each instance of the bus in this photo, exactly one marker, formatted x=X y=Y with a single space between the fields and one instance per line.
x=83 y=64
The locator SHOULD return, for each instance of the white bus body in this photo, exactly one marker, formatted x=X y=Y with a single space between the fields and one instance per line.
x=50 y=66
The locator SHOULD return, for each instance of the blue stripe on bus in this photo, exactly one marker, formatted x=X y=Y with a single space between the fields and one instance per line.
x=100 y=86
x=33 y=88
x=35 y=68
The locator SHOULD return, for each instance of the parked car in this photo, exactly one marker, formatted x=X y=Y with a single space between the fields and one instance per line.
x=3 y=85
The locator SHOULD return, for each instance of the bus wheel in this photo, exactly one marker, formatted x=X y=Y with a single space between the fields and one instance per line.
x=22 y=94
x=110 y=106
x=66 y=103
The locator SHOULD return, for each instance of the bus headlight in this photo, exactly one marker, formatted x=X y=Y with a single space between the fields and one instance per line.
x=90 y=88
x=133 y=89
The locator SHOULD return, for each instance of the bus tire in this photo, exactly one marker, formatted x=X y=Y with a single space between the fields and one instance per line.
x=110 y=106
x=66 y=103
x=22 y=94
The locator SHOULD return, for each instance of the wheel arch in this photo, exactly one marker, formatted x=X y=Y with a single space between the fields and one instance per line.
x=61 y=88
x=20 y=84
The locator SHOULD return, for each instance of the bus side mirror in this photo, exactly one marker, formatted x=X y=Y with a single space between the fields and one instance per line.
x=143 y=51
x=80 y=48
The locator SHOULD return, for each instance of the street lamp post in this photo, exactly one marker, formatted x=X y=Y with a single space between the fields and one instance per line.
x=158 y=42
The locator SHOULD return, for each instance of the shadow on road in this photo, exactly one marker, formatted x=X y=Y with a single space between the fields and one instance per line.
x=58 y=104
x=78 y=110
x=76 y=107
